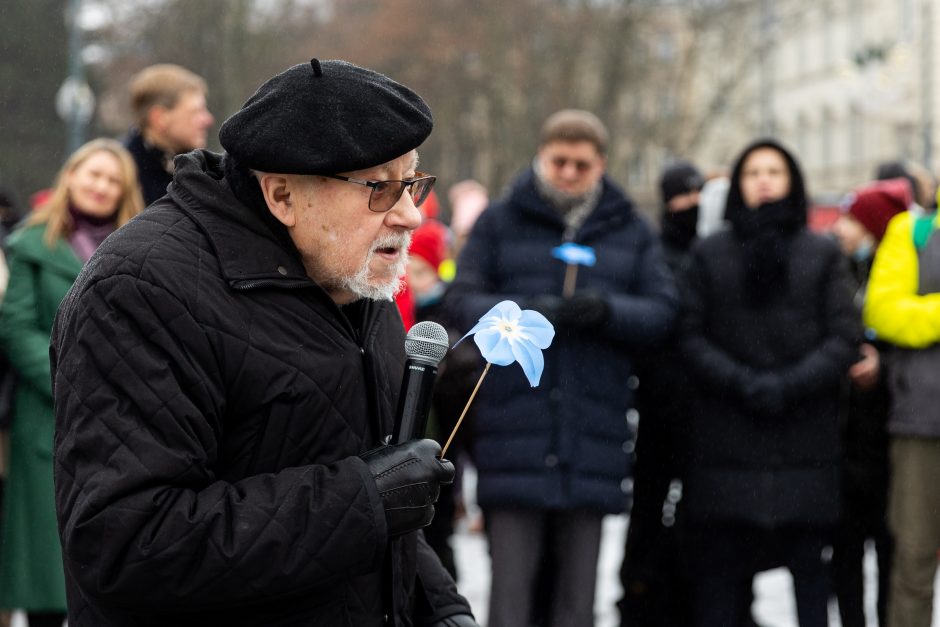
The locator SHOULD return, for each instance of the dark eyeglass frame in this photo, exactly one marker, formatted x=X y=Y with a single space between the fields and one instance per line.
x=421 y=178
x=580 y=165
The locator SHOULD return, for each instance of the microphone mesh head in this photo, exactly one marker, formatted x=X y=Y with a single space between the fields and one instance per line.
x=426 y=342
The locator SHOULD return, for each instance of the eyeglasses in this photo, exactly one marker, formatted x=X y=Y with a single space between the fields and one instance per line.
x=579 y=165
x=385 y=194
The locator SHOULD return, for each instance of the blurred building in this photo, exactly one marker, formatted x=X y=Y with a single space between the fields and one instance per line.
x=846 y=83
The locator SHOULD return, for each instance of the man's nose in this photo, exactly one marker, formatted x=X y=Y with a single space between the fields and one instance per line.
x=404 y=213
x=570 y=169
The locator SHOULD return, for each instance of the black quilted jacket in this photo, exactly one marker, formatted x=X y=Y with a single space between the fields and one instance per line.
x=210 y=404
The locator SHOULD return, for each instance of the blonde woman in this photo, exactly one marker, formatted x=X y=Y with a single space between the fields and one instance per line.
x=95 y=192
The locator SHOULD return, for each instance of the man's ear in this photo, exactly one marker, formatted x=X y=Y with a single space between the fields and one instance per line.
x=156 y=118
x=277 y=195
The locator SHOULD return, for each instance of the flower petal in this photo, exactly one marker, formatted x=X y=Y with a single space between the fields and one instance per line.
x=531 y=360
x=536 y=328
x=494 y=347
x=483 y=323
x=507 y=310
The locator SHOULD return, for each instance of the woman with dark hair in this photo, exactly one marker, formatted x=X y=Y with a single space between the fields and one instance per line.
x=96 y=192
x=769 y=332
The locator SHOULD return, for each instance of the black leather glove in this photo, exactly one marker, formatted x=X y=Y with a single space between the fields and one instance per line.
x=409 y=477
x=763 y=394
x=585 y=308
x=458 y=620
x=549 y=305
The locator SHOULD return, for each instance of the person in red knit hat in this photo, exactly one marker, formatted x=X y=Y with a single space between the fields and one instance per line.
x=429 y=245
x=428 y=249
x=866 y=213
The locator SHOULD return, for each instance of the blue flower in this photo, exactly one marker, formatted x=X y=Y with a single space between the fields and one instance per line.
x=575 y=254
x=507 y=334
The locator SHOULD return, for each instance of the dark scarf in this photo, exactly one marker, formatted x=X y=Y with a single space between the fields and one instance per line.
x=678 y=228
x=766 y=234
x=88 y=232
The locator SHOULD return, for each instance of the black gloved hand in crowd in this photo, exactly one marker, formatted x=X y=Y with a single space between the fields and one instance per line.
x=586 y=308
x=409 y=477
x=763 y=394
x=458 y=620
x=549 y=305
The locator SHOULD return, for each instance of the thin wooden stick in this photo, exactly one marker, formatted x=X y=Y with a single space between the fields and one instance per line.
x=571 y=276
x=464 y=413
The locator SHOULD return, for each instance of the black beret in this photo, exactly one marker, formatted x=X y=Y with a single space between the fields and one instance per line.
x=324 y=118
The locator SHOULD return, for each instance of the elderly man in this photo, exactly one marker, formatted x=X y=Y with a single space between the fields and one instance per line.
x=553 y=460
x=227 y=367
x=169 y=103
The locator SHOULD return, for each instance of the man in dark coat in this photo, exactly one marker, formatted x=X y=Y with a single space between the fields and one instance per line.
x=558 y=455
x=227 y=366
x=169 y=103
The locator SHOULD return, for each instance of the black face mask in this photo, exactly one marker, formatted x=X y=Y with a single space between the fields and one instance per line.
x=679 y=228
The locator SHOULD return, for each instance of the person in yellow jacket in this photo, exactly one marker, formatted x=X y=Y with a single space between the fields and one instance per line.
x=902 y=306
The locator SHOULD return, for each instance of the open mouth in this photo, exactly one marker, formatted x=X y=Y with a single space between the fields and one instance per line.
x=390 y=253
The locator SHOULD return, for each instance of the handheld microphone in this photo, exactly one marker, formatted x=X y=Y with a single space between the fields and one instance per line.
x=425 y=346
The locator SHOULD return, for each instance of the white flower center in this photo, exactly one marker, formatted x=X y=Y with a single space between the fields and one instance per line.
x=508 y=328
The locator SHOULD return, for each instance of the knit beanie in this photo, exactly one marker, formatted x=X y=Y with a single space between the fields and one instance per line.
x=429 y=242
x=875 y=204
x=680 y=178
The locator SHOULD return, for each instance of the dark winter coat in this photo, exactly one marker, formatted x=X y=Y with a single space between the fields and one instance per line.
x=864 y=416
x=154 y=166
x=758 y=467
x=211 y=404
x=564 y=444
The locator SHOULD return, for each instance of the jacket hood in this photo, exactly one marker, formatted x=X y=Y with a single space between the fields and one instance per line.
x=797 y=198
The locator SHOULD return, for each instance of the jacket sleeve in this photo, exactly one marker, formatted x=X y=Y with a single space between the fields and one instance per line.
x=26 y=344
x=437 y=596
x=893 y=308
x=647 y=313
x=144 y=519
x=827 y=363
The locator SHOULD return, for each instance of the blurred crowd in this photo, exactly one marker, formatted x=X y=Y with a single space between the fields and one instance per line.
x=754 y=392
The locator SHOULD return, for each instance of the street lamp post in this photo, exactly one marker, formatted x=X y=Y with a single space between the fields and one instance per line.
x=75 y=102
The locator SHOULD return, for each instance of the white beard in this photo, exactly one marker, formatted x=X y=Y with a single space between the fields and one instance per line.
x=363 y=285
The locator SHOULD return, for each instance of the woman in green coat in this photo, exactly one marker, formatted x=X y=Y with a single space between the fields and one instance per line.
x=96 y=192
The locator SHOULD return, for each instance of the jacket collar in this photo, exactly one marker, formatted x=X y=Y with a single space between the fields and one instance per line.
x=252 y=248
x=249 y=247
x=29 y=243
x=613 y=206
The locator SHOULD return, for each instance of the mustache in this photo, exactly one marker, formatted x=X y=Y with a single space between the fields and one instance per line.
x=401 y=241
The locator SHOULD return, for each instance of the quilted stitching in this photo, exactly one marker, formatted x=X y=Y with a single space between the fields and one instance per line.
x=183 y=466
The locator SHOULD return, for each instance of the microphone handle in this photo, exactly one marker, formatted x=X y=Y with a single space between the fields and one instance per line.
x=414 y=401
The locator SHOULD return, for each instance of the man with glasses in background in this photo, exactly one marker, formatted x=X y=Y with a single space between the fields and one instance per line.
x=227 y=368
x=553 y=460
